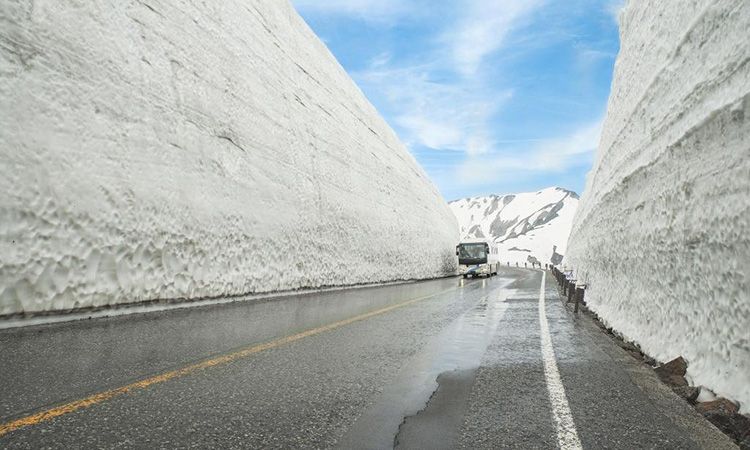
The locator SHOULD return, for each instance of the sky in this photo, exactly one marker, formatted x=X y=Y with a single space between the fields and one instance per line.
x=490 y=96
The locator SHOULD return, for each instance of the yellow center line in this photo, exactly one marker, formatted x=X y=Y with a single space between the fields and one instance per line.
x=67 y=408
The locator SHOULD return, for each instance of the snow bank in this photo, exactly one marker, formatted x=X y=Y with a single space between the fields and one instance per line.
x=150 y=151
x=527 y=226
x=662 y=234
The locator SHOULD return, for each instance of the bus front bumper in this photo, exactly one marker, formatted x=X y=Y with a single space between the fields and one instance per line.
x=481 y=269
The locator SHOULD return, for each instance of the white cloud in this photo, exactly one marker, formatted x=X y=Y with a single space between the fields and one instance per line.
x=430 y=106
x=557 y=154
x=442 y=115
x=431 y=132
x=445 y=83
x=483 y=28
x=588 y=56
x=381 y=60
x=547 y=156
x=614 y=7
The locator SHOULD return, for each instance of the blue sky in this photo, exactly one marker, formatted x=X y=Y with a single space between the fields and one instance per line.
x=490 y=96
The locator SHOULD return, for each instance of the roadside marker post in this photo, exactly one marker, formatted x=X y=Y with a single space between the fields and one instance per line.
x=580 y=290
x=571 y=290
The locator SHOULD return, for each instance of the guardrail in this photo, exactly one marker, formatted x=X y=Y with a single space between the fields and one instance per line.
x=575 y=292
x=534 y=265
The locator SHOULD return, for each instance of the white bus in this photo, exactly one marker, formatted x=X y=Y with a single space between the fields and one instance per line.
x=477 y=258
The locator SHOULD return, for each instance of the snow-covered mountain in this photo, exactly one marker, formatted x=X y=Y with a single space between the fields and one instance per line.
x=527 y=227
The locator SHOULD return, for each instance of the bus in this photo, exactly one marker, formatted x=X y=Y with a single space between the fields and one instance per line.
x=477 y=258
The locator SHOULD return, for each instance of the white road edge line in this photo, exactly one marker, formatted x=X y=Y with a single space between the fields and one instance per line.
x=567 y=436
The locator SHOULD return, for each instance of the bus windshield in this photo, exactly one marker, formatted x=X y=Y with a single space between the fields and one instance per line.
x=472 y=251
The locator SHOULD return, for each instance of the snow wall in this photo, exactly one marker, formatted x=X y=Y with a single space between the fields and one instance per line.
x=156 y=151
x=662 y=233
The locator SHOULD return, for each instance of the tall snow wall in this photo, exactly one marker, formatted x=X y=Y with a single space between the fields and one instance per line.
x=152 y=149
x=662 y=233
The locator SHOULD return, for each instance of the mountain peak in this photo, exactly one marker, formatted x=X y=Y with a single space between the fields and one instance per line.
x=547 y=190
x=526 y=225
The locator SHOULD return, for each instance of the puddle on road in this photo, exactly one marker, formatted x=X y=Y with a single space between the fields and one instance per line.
x=437 y=426
x=457 y=348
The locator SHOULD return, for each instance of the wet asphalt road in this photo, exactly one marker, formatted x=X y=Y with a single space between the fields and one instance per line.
x=438 y=364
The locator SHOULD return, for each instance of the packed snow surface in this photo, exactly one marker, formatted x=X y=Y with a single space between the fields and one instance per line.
x=527 y=227
x=662 y=235
x=155 y=149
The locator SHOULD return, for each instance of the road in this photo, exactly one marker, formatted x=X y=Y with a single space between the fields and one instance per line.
x=450 y=363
